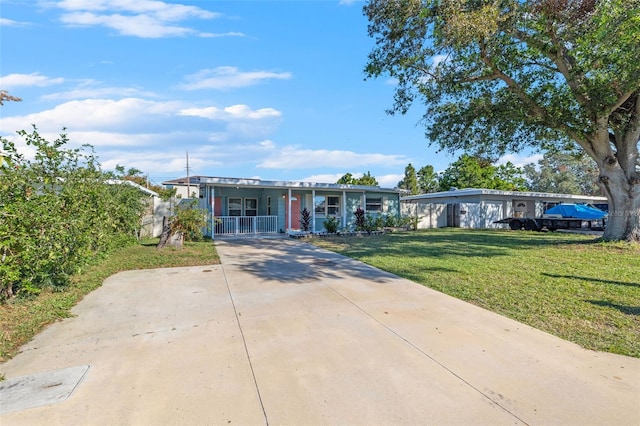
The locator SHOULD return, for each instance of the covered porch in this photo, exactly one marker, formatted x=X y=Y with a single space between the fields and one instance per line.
x=251 y=207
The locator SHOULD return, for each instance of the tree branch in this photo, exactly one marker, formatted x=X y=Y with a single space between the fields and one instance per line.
x=621 y=101
x=537 y=111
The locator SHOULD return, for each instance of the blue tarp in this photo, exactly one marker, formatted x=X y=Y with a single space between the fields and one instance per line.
x=578 y=211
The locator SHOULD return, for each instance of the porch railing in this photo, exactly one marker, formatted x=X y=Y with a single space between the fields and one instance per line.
x=245 y=225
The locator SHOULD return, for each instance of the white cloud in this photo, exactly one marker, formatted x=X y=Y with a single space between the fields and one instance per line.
x=90 y=89
x=217 y=35
x=292 y=157
x=384 y=181
x=150 y=134
x=160 y=9
x=437 y=59
x=267 y=144
x=139 y=26
x=390 y=180
x=141 y=18
x=134 y=121
x=171 y=162
x=96 y=114
x=323 y=178
x=229 y=78
x=28 y=80
x=519 y=160
x=4 y=22
x=234 y=112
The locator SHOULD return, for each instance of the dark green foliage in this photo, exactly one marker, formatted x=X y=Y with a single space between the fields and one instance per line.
x=475 y=172
x=189 y=220
x=428 y=179
x=331 y=224
x=360 y=219
x=56 y=212
x=373 y=223
x=563 y=173
x=410 y=180
x=305 y=219
x=366 y=179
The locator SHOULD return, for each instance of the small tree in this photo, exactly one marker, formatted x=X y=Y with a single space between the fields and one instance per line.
x=410 y=180
x=305 y=219
x=427 y=179
x=188 y=221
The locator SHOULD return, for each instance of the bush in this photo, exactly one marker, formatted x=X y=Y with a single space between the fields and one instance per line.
x=189 y=220
x=331 y=224
x=58 y=211
x=360 y=219
x=390 y=221
x=305 y=219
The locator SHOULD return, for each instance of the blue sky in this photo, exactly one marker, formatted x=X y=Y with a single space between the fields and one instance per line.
x=257 y=89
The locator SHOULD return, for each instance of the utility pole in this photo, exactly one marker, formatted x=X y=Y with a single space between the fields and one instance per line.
x=188 y=178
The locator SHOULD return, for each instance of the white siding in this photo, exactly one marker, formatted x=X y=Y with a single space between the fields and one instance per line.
x=493 y=210
x=430 y=215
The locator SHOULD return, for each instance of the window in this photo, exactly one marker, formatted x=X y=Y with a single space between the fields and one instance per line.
x=235 y=206
x=333 y=206
x=327 y=205
x=374 y=204
x=320 y=205
x=251 y=207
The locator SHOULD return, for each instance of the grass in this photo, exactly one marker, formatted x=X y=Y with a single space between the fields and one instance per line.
x=23 y=318
x=568 y=285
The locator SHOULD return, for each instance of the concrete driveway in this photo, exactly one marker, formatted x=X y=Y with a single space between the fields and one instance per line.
x=285 y=333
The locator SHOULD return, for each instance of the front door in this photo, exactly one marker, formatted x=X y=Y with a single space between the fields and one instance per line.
x=295 y=211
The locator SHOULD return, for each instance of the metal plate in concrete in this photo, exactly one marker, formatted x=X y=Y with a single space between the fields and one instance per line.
x=39 y=389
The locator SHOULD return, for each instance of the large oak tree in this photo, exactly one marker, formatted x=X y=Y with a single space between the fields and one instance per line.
x=499 y=76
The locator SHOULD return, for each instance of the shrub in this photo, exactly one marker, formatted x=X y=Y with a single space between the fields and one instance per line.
x=360 y=219
x=305 y=219
x=331 y=224
x=58 y=211
x=391 y=221
x=189 y=220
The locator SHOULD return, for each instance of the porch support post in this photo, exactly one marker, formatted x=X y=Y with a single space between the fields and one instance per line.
x=212 y=194
x=289 y=212
x=344 y=209
x=313 y=211
x=363 y=201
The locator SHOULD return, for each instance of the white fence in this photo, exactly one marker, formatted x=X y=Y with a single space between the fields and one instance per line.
x=245 y=225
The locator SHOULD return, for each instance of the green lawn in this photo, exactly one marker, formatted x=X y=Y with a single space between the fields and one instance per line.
x=568 y=285
x=21 y=319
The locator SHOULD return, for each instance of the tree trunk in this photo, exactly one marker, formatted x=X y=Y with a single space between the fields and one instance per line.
x=623 y=194
x=166 y=232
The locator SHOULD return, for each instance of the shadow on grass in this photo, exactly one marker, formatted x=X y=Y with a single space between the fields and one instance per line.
x=595 y=280
x=629 y=310
x=456 y=242
x=293 y=261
